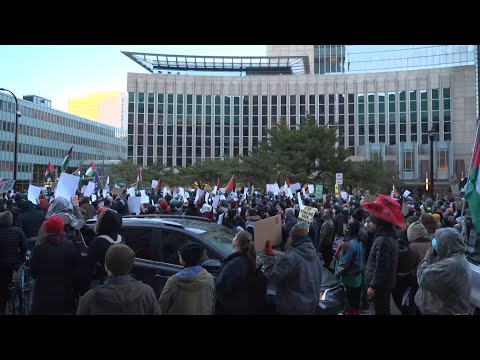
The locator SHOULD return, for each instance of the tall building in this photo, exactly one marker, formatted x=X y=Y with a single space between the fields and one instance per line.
x=45 y=135
x=179 y=120
x=105 y=107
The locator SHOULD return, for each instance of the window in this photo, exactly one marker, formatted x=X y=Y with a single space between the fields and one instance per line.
x=408 y=161
x=413 y=115
x=447 y=125
x=442 y=164
x=142 y=242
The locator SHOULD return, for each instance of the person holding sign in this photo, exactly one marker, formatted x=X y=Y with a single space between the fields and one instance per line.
x=297 y=274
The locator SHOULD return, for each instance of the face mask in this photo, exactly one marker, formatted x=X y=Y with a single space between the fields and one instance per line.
x=434 y=244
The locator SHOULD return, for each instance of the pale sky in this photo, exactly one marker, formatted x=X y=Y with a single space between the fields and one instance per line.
x=62 y=72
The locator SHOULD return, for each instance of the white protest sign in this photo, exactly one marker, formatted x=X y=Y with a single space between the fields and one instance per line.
x=216 y=199
x=6 y=185
x=215 y=190
x=207 y=196
x=82 y=190
x=339 y=178
x=289 y=193
x=105 y=193
x=94 y=197
x=131 y=192
x=311 y=189
x=89 y=189
x=198 y=195
x=165 y=191
x=245 y=191
x=270 y=188
x=306 y=214
x=220 y=219
x=344 y=195
x=295 y=187
x=406 y=193
x=134 y=205
x=300 y=203
x=181 y=191
x=303 y=191
x=154 y=184
x=276 y=189
x=222 y=197
x=44 y=190
x=187 y=195
x=67 y=186
x=144 y=197
x=33 y=193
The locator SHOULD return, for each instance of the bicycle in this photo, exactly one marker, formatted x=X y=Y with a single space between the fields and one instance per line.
x=20 y=291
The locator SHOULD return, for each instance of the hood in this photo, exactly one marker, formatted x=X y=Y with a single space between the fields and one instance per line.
x=6 y=219
x=118 y=291
x=449 y=242
x=415 y=231
x=192 y=280
x=109 y=222
x=289 y=213
x=304 y=247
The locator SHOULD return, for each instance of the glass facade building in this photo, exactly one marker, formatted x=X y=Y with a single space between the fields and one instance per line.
x=45 y=135
x=180 y=120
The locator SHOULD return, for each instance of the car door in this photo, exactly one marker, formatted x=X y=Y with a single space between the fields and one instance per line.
x=145 y=242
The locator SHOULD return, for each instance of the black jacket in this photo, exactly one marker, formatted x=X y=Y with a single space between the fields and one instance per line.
x=53 y=267
x=234 y=292
x=381 y=270
x=96 y=257
x=30 y=220
x=12 y=245
x=338 y=222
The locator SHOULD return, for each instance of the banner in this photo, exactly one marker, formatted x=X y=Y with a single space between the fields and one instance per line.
x=318 y=191
x=6 y=185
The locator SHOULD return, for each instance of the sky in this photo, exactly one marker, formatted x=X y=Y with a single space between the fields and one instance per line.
x=62 y=72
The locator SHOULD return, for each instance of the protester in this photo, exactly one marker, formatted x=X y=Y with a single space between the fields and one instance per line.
x=207 y=212
x=327 y=234
x=297 y=275
x=190 y=291
x=120 y=293
x=470 y=234
x=53 y=264
x=87 y=209
x=444 y=277
x=30 y=221
x=12 y=251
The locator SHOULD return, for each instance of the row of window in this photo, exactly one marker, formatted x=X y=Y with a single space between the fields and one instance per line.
x=50 y=116
x=7 y=166
x=50 y=135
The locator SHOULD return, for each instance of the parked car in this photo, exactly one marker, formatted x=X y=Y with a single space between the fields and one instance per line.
x=156 y=240
x=474 y=262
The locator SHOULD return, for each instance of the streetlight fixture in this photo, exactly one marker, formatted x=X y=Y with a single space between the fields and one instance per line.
x=431 y=135
x=15 y=143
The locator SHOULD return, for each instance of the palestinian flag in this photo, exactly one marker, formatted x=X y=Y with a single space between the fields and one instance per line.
x=472 y=193
x=92 y=170
x=118 y=184
x=107 y=185
x=139 y=175
x=66 y=160
x=134 y=185
x=231 y=185
x=77 y=173
x=158 y=187
x=287 y=183
x=50 y=173
x=250 y=185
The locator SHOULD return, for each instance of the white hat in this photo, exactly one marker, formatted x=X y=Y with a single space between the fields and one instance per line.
x=206 y=209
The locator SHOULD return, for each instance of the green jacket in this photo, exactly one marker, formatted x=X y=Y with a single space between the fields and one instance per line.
x=189 y=292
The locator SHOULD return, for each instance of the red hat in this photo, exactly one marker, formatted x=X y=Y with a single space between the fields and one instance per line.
x=101 y=209
x=54 y=225
x=164 y=205
x=385 y=208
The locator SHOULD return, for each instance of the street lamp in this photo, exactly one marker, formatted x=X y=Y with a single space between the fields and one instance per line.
x=15 y=143
x=431 y=135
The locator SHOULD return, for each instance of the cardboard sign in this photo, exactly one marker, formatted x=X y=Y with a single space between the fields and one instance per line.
x=6 y=185
x=34 y=193
x=89 y=189
x=306 y=214
x=67 y=186
x=295 y=187
x=318 y=191
x=267 y=229
x=117 y=191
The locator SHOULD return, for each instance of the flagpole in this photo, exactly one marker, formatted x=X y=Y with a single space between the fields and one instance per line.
x=470 y=170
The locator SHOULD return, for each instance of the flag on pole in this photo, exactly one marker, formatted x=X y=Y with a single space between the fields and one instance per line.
x=77 y=172
x=134 y=185
x=92 y=170
x=158 y=187
x=139 y=175
x=250 y=185
x=66 y=160
x=472 y=193
x=118 y=184
x=97 y=182
x=50 y=173
x=231 y=185
x=217 y=187
x=107 y=186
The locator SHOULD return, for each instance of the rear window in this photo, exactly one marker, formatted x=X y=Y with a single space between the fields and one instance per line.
x=221 y=240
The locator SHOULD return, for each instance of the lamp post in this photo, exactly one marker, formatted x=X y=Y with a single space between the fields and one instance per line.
x=15 y=143
x=431 y=135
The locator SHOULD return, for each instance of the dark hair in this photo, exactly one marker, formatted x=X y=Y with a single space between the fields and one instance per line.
x=192 y=254
x=353 y=227
x=429 y=222
x=379 y=222
x=247 y=247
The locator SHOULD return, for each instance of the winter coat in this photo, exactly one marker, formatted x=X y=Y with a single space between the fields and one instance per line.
x=30 y=220
x=193 y=211
x=381 y=270
x=53 y=267
x=445 y=285
x=339 y=221
x=363 y=238
x=326 y=235
x=351 y=257
x=469 y=237
x=233 y=286
x=297 y=276
x=119 y=295
x=249 y=226
x=13 y=244
x=189 y=292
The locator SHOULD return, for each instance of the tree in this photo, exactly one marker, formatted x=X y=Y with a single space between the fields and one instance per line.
x=370 y=175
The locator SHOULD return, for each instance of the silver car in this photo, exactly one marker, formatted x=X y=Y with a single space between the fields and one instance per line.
x=474 y=262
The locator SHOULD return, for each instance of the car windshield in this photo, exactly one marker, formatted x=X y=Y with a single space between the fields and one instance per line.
x=221 y=240
x=474 y=258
